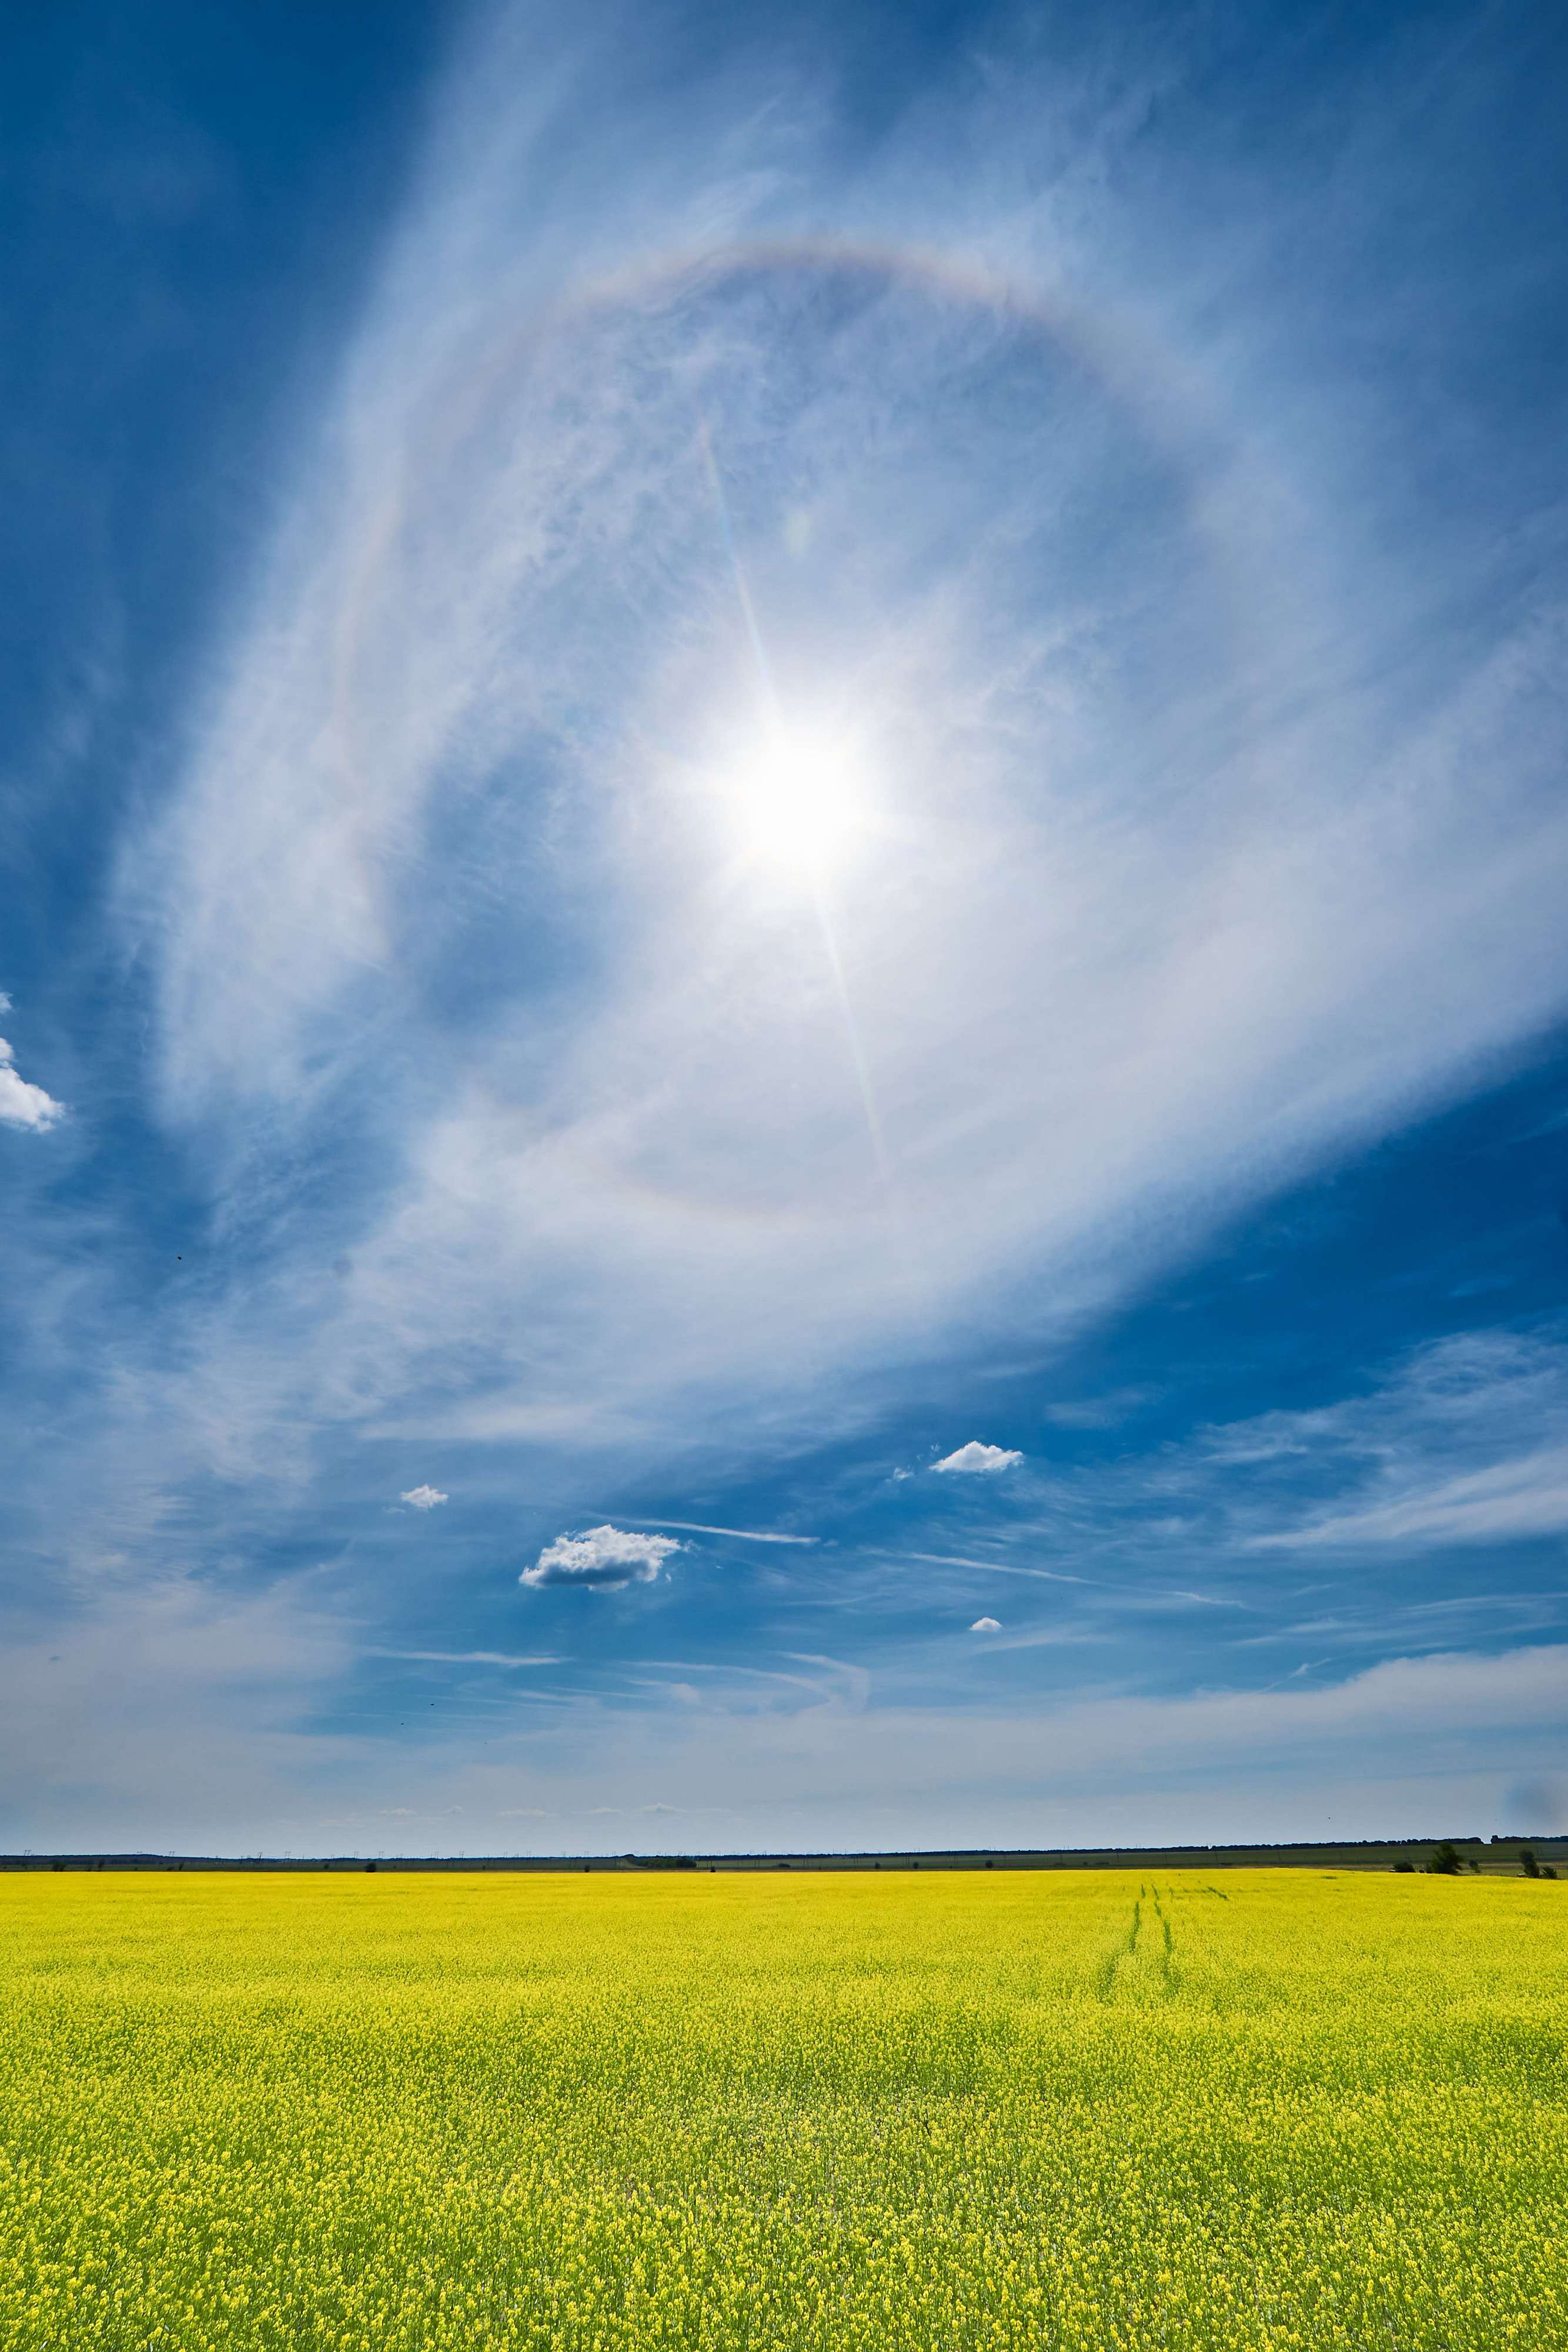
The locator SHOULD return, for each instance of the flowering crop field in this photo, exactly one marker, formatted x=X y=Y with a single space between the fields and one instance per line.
x=901 y=2111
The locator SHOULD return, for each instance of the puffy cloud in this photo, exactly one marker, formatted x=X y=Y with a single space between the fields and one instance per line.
x=22 y=1105
x=976 y=1456
x=424 y=1498
x=987 y=1625
x=605 y=1557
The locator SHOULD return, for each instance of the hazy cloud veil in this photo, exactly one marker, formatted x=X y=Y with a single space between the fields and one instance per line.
x=1134 y=930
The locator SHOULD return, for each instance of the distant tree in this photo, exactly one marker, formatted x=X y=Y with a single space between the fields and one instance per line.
x=1404 y=1866
x=1547 y=1871
x=1528 y=1863
x=1444 y=1863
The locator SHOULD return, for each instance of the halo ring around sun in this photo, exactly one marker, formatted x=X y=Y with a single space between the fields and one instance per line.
x=792 y=812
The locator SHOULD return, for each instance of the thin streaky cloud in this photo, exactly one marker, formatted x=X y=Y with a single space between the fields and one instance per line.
x=1524 y=1496
x=857 y=1679
x=726 y=1666
x=697 y=1528
x=1375 y=1626
x=1000 y=1568
x=472 y=1657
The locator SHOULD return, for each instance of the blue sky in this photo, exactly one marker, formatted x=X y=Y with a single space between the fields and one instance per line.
x=784 y=860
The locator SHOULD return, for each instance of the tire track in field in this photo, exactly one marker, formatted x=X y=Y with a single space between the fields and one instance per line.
x=1112 y=1966
x=1137 y=1961
x=1170 y=1984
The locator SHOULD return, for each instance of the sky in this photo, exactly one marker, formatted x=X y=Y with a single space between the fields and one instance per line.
x=783 y=848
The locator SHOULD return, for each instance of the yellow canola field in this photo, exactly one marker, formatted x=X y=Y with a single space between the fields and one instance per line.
x=899 y=2112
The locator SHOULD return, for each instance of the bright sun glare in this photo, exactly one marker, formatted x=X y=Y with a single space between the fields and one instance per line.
x=801 y=800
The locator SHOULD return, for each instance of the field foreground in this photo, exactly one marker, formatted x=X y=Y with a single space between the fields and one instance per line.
x=905 y=2113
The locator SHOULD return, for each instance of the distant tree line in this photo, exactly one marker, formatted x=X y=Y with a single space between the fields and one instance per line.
x=1449 y=1863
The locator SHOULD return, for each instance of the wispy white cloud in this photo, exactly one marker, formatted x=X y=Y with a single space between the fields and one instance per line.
x=993 y=1566
x=168 y=1710
x=1524 y=1496
x=1461 y=1444
x=21 y=1103
x=978 y=1458
x=1096 y=1413
x=424 y=1498
x=851 y=1682
x=468 y=1657
x=747 y=1534
x=1401 y=1717
x=606 y=1557
x=1418 y=1745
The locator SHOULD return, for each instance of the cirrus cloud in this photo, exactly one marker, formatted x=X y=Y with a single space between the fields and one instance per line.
x=606 y=1557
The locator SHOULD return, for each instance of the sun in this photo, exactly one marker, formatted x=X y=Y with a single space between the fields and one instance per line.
x=800 y=798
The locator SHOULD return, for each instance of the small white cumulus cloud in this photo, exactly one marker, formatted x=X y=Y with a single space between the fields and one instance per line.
x=976 y=1456
x=604 y=1557
x=22 y=1105
x=987 y=1625
x=424 y=1498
